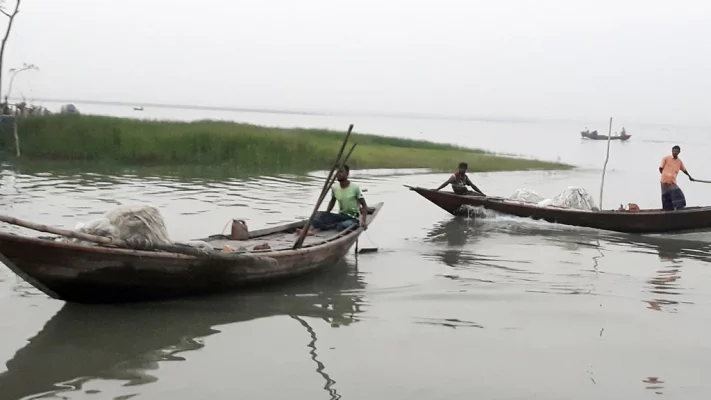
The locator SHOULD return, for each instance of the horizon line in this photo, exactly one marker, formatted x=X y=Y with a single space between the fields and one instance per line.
x=336 y=113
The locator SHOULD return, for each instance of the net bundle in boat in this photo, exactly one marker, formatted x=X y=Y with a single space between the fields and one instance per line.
x=576 y=198
x=526 y=196
x=141 y=226
x=573 y=197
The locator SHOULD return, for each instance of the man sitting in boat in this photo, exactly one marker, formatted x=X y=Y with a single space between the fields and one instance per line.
x=352 y=208
x=459 y=181
x=672 y=196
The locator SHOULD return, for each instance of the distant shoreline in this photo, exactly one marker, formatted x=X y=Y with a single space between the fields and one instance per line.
x=628 y=120
x=89 y=138
x=285 y=111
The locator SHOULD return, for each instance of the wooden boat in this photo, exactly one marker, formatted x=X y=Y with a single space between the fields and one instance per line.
x=97 y=274
x=595 y=136
x=645 y=221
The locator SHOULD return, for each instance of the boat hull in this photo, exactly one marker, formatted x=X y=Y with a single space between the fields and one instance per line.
x=646 y=221
x=604 y=137
x=93 y=274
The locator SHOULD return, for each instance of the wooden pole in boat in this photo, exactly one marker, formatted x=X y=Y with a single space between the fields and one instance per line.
x=324 y=189
x=187 y=250
x=604 y=167
x=327 y=186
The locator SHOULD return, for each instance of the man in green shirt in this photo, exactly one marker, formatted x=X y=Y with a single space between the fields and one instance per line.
x=352 y=209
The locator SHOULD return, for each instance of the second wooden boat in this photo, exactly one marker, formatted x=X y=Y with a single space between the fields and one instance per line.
x=688 y=219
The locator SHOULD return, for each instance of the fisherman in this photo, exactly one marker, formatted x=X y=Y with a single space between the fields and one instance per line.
x=672 y=196
x=352 y=208
x=459 y=181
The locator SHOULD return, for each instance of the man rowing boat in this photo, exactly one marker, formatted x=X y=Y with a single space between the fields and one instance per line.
x=672 y=196
x=352 y=208
x=459 y=181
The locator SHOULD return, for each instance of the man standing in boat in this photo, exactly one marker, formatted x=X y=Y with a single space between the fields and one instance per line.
x=672 y=196
x=459 y=181
x=352 y=208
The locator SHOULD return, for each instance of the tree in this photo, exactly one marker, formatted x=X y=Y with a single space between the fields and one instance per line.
x=11 y=18
x=14 y=72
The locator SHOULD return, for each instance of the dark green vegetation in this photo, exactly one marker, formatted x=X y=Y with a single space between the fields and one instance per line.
x=232 y=145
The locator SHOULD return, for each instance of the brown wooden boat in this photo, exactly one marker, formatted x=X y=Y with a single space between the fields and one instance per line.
x=97 y=274
x=595 y=136
x=645 y=221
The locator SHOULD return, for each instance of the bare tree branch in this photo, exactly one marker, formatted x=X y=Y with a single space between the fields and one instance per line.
x=7 y=35
x=5 y=12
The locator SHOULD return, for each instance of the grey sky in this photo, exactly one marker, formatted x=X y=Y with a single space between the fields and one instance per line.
x=646 y=60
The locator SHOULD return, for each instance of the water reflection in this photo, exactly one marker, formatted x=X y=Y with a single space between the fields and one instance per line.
x=467 y=240
x=125 y=342
x=466 y=231
x=457 y=233
x=666 y=247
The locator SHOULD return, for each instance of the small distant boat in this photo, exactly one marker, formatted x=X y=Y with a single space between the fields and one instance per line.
x=595 y=136
x=138 y=108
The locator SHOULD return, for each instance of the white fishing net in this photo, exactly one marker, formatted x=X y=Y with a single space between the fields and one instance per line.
x=576 y=198
x=141 y=226
x=526 y=196
x=573 y=197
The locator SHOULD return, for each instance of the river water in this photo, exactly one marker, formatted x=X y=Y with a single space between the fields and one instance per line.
x=493 y=307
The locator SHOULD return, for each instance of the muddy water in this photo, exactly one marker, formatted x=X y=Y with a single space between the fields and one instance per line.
x=492 y=307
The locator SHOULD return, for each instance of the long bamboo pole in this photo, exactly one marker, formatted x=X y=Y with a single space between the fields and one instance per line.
x=327 y=186
x=604 y=167
x=187 y=250
x=336 y=163
x=302 y=235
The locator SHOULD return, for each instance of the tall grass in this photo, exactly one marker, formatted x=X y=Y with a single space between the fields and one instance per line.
x=143 y=142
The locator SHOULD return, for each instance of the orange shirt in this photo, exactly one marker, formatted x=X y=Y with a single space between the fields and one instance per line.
x=670 y=169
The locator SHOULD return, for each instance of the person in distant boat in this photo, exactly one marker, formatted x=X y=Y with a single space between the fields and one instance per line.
x=459 y=181
x=352 y=208
x=672 y=196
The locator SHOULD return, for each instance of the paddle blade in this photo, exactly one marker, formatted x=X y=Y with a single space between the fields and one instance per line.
x=367 y=250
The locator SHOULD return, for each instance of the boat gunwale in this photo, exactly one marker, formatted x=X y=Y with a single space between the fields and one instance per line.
x=516 y=203
x=340 y=237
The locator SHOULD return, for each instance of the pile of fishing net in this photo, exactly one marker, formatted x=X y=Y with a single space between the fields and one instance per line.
x=573 y=197
x=141 y=226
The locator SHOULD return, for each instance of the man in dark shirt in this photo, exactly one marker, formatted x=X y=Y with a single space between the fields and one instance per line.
x=459 y=181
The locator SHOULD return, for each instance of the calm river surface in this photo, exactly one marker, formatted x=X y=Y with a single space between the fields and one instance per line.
x=491 y=308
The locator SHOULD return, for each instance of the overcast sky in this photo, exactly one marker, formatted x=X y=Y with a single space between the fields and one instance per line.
x=647 y=60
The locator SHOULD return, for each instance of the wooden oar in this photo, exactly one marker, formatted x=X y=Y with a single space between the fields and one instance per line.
x=701 y=180
x=414 y=188
x=327 y=184
x=180 y=249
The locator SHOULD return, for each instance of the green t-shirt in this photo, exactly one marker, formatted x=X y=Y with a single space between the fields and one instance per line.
x=348 y=199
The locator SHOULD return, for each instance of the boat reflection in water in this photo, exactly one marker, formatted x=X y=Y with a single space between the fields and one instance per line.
x=82 y=343
x=468 y=250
